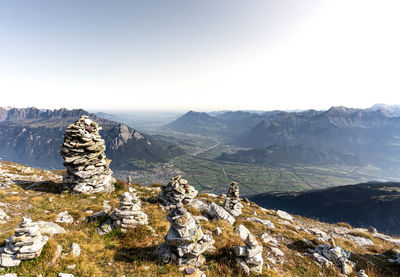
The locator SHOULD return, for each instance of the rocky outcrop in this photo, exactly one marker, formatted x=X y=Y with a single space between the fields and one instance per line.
x=87 y=166
x=232 y=201
x=249 y=257
x=326 y=256
x=129 y=214
x=185 y=242
x=26 y=244
x=176 y=191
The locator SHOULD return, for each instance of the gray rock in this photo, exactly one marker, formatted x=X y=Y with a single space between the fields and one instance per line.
x=216 y=212
x=50 y=228
x=248 y=257
x=176 y=191
x=65 y=275
x=3 y=216
x=362 y=273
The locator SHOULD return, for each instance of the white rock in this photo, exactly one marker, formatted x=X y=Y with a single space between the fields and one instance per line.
x=65 y=275
x=75 y=250
x=265 y=222
x=64 y=217
x=217 y=212
x=277 y=252
x=360 y=240
x=9 y=275
x=362 y=273
x=267 y=239
x=284 y=215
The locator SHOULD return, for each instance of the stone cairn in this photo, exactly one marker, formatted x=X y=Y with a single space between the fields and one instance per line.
x=185 y=241
x=232 y=201
x=176 y=191
x=129 y=214
x=26 y=244
x=87 y=166
x=248 y=257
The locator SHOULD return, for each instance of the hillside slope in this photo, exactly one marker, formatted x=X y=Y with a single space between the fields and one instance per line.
x=290 y=243
x=362 y=205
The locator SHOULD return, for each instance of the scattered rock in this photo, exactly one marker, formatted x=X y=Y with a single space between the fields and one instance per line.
x=26 y=244
x=57 y=254
x=284 y=215
x=216 y=212
x=64 y=217
x=3 y=216
x=192 y=272
x=248 y=257
x=185 y=241
x=176 y=191
x=267 y=239
x=361 y=241
x=362 y=273
x=9 y=275
x=50 y=228
x=83 y=152
x=327 y=256
x=265 y=222
x=232 y=201
x=65 y=275
x=75 y=249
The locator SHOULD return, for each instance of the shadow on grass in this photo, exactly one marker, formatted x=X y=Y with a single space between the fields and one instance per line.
x=43 y=186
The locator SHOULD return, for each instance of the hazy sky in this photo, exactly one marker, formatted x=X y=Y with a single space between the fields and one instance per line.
x=200 y=55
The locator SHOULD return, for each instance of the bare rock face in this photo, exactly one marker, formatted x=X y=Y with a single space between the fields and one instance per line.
x=83 y=152
x=129 y=214
x=185 y=241
x=249 y=257
x=176 y=191
x=232 y=201
x=26 y=244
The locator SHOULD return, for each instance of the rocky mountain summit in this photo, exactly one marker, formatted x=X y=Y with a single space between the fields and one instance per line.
x=259 y=241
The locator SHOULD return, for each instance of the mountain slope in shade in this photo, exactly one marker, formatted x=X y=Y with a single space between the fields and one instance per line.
x=34 y=136
x=362 y=205
x=298 y=154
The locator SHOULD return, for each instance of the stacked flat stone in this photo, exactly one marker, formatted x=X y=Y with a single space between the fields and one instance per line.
x=185 y=241
x=26 y=244
x=249 y=257
x=176 y=191
x=83 y=151
x=129 y=214
x=232 y=201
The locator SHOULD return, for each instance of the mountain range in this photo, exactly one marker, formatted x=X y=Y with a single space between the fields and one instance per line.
x=371 y=135
x=33 y=137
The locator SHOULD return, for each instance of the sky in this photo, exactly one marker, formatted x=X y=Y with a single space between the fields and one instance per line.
x=199 y=54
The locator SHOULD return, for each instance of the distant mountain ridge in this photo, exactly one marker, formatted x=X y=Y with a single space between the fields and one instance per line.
x=33 y=137
x=362 y=205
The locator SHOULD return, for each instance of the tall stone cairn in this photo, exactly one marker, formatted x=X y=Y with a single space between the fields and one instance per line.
x=185 y=241
x=176 y=191
x=83 y=152
x=232 y=201
x=26 y=244
x=249 y=257
x=129 y=214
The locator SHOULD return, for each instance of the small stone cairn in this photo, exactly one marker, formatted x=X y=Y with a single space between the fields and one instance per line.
x=185 y=241
x=87 y=166
x=26 y=244
x=176 y=191
x=129 y=214
x=232 y=201
x=248 y=257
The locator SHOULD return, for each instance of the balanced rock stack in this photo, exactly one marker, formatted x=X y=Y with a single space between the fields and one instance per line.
x=232 y=201
x=185 y=241
x=176 y=191
x=248 y=257
x=26 y=244
x=87 y=166
x=129 y=214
